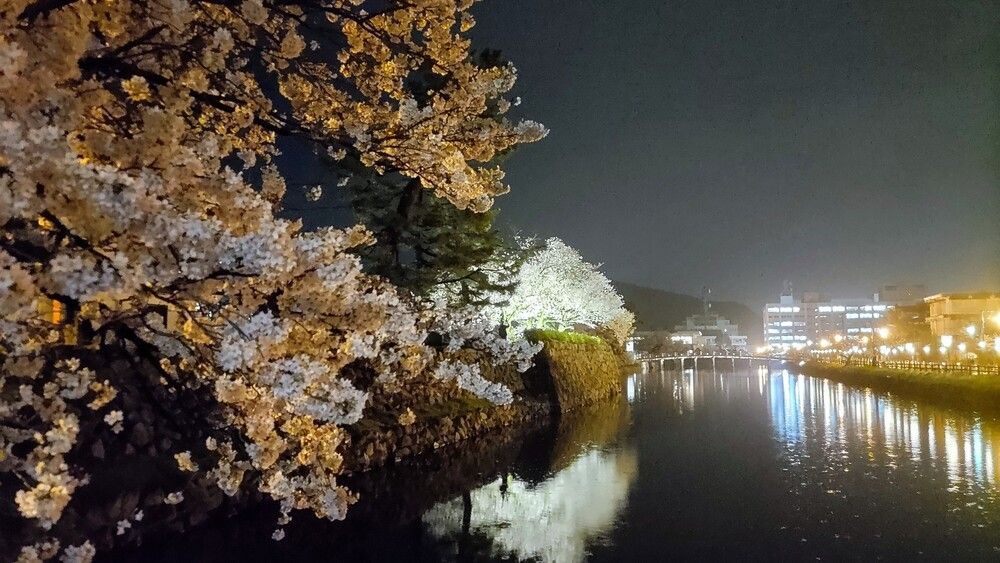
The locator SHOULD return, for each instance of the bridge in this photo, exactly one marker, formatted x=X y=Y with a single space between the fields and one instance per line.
x=682 y=358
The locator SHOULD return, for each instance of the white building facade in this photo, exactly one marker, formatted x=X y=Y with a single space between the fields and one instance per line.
x=795 y=323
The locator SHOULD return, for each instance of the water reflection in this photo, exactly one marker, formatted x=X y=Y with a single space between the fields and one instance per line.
x=772 y=462
x=756 y=463
x=552 y=521
x=806 y=411
x=576 y=502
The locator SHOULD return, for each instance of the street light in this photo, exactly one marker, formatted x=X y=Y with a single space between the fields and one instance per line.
x=970 y=330
x=883 y=332
x=982 y=319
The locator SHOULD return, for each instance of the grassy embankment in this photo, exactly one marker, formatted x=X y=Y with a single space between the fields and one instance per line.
x=950 y=389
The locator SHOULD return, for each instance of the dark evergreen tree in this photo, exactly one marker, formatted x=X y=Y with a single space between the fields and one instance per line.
x=422 y=241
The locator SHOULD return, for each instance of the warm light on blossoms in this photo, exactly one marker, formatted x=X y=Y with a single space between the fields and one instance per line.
x=138 y=195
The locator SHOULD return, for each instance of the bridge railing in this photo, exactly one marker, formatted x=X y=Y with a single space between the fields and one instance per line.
x=964 y=368
x=646 y=357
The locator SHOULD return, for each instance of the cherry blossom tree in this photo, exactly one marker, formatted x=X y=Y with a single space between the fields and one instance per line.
x=558 y=289
x=138 y=198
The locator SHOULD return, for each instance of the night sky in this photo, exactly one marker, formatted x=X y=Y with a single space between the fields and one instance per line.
x=837 y=145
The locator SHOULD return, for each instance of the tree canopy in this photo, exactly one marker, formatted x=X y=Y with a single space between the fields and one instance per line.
x=138 y=192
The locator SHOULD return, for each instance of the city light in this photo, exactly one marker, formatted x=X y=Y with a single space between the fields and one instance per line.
x=947 y=340
x=927 y=349
x=883 y=332
x=824 y=343
x=961 y=347
x=838 y=338
x=970 y=330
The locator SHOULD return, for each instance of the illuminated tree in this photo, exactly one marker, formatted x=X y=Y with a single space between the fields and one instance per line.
x=557 y=288
x=137 y=196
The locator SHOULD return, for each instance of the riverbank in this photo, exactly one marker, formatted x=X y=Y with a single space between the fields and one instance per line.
x=399 y=467
x=571 y=372
x=950 y=389
x=135 y=468
x=452 y=485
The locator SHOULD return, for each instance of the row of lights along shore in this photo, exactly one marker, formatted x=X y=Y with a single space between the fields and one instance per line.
x=967 y=346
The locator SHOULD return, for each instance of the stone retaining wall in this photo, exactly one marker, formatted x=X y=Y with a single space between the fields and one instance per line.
x=375 y=447
x=580 y=373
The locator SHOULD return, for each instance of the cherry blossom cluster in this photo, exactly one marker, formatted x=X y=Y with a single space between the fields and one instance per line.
x=138 y=200
x=557 y=288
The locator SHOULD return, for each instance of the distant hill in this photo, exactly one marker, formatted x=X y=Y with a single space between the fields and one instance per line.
x=659 y=309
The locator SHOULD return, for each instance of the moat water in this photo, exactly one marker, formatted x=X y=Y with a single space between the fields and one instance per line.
x=756 y=463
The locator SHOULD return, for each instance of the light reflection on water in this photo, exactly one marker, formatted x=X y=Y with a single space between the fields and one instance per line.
x=752 y=463
x=843 y=455
x=552 y=521
x=804 y=410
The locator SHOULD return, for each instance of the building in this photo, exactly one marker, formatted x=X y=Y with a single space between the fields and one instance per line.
x=794 y=323
x=714 y=330
x=958 y=314
x=692 y=340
